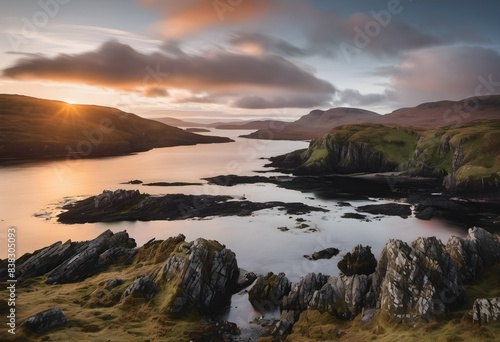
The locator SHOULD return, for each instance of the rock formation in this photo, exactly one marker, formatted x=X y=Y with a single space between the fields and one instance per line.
x=45 y=320
x=267 y=292
x=360 y=261
x=486 y=310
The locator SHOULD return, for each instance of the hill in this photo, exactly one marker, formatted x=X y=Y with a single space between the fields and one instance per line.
x=36 y=128
x=466 y=156
x=426 y=115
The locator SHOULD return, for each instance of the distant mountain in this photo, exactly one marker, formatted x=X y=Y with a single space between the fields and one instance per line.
x=426 y=115
x=445 y=113
x=35 y=128
x=178 y=122
x=259 y=124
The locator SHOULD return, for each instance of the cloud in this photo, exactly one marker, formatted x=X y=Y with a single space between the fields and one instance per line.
x=360 y=32
x=119 y=66
x=181 y=18
x=155 y=92
x=295 y=101
x=440 y=73
x=353 y=97
x=260 y=43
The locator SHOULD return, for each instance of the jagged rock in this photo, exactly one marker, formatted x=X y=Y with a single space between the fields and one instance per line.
x=359 y=261
x=91 y=257
x=46 y=259
x=268 y=290
x=472 y=254
x=426 y=213
x=245 y=279
x=112 y=198
x=342 y=296
x=326 y=253
x=415 y=282
x=141 y=287
x=204 y=277
x=485 y=310
x=45 y=320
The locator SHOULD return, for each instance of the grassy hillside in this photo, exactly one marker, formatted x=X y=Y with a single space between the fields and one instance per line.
x=34 y=127
x=468 y=155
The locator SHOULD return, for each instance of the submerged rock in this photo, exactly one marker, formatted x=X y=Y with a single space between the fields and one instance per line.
x=391 y=209
x=45 y=320
x=268 y=291
x=326 y=253
x=360 y=261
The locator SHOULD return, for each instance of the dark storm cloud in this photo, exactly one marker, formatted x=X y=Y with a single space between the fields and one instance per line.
x=119 y=66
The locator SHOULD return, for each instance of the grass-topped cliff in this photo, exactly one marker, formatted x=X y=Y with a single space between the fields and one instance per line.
x=34 y=128
x=467 y=156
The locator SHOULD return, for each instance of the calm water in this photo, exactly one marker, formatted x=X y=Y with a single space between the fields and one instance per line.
x=37 y=188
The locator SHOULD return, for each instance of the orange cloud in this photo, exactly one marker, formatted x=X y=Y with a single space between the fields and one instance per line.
x=189 y=16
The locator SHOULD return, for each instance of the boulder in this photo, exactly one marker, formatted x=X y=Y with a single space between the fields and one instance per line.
x=141 y=287
x=112 y=283
x=326 y=253
x=245 y=279
x=471 y=255
x=203 y=276
x=359 y=261
x=415 y=282
x=267 y=292
x=486 y=310
x=45 y=320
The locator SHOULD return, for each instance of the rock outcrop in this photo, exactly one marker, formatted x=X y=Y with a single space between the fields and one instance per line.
x=486 y=310
x=45 y=320
x=202 y=275
x=267 y=292
x=415 y=282
x=131 y=205
x=360 y=261
x=342 y=296
x=75 y=261
x=92 y=257
x=141 y=287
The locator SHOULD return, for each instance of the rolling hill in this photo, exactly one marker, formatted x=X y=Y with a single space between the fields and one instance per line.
x=426 y=115
x=37 y=128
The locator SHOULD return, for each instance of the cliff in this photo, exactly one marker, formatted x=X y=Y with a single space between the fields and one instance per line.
x=466 y=156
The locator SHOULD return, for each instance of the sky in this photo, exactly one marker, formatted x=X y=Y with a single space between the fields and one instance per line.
x=251 y=59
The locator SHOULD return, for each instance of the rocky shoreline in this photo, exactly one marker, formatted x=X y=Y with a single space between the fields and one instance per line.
x=131 y=205
x=186 y=285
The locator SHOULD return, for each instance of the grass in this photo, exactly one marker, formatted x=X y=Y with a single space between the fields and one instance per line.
x=410 y=149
